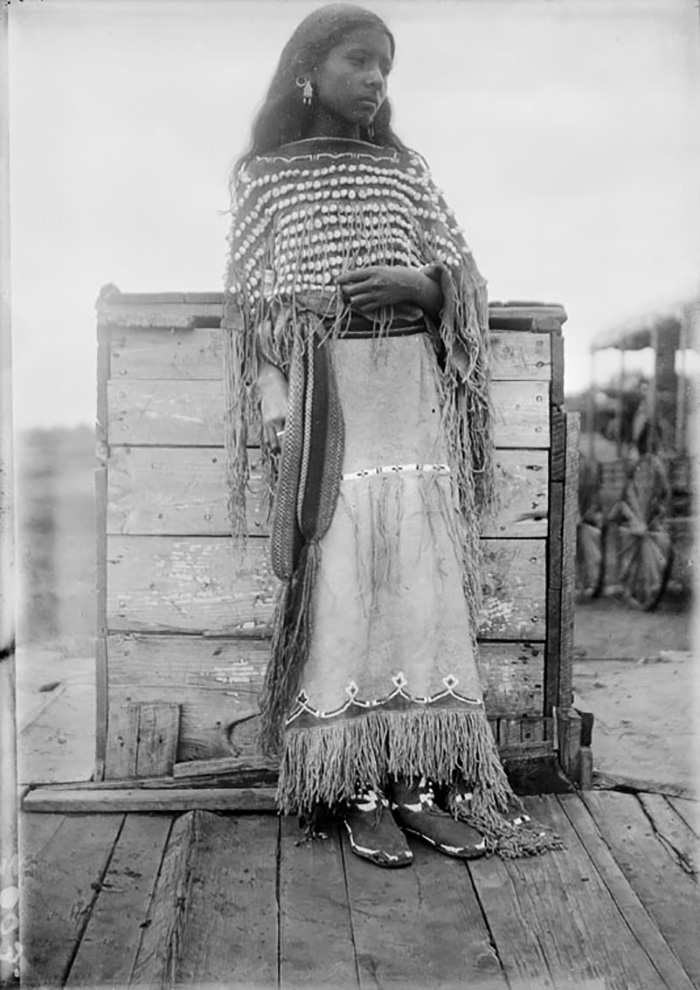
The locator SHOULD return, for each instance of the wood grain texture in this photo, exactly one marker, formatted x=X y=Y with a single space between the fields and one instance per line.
x=512 y=677
x=157 y=311
x=216 y=682
x=259 y=800
x=166 y=584
x=155 y=963
x=173 y=491
x=159 y=723
x=184 y=413
x=189 y=585
x=568 y=565
x=229 y=934
x=668 y=893
x=179 y=490
x=627 y=902
x=142 y=737
x=107 y=951
x=59 y=892
x=514 y=592
x=570 y=920
x=673 y=831
x=316 y=934
x=171 y=353
x=404 y=924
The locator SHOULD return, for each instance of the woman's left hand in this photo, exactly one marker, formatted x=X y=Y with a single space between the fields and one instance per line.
x=368 y=289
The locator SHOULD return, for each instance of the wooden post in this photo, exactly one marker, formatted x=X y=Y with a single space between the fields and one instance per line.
x=652 y=403
x=682 y=384
x=9 y=861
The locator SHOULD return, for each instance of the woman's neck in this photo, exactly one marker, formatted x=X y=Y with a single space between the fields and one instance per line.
x=329 y=124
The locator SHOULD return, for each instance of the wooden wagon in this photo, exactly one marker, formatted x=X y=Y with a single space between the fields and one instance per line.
x=636 y=527
x=183 y=628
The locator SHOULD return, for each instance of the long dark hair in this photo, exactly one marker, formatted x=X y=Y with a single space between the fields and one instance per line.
x=283 y=118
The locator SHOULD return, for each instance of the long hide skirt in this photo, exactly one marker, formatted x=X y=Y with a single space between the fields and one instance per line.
x=390 y=684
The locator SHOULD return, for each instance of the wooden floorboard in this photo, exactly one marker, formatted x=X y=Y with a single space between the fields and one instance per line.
x=571 y=915
x=58 y=894
x=689 y=811
x=214 y=916
x=668 y=893
x=673 y=830
x=107 y=952
x=420 y=926
x=316 y=939
x=635 y=914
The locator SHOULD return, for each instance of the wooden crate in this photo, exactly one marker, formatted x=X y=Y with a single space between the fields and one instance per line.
x=183 y=623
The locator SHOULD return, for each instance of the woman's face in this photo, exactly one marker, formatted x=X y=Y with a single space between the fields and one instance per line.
x=352 y=82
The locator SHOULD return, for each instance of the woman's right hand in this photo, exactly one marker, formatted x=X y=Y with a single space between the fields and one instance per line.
x=273 y=391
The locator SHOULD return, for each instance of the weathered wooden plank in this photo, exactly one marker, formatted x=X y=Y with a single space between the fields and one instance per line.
x=512 y=677
x=627 y=902
x=143 y=353
x=215 y=681
x=404 y=924
x=674 y=831
x=159 y=723
x=142 y=738
x=229 y=934
x=171 y=353
x=522 y=480
x=668 y=893
x=122 y=740
x=568 y=551
x=316 y=938
x=258 y=800
x=233 y=765
x=59 y=891
x=182 y=490
x=164 y=584
x=155 y=964
x=689 y=811
x=521 y=356
x=557 y=443
x=169 y=314
x=621 y=782
x=569 y=735
x=107 y=951
x=185 y=413
x=514 y=592
x=179 y=490
x=569 y=917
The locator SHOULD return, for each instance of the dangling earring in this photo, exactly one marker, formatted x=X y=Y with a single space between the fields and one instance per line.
x=307 y=89
x=370 y=132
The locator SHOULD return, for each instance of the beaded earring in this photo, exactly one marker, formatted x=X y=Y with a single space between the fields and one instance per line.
x=307 y=89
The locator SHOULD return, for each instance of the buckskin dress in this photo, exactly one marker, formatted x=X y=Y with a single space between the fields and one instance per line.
x=384 y=475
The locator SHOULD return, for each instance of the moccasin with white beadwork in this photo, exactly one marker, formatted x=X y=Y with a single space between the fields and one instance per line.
x=415 y=811
x=373 y=832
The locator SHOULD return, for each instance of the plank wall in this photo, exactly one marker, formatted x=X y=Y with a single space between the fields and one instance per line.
x=183 y=621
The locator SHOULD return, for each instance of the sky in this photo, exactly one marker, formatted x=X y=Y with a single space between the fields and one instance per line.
x=565 y=134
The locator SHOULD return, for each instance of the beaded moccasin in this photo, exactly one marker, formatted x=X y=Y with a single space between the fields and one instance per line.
x=373 y=832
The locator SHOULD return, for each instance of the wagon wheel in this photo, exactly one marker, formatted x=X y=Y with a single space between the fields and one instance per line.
x=590 y=532
x=644 y=533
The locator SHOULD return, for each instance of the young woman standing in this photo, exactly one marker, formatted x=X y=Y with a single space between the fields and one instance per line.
x=357 y=318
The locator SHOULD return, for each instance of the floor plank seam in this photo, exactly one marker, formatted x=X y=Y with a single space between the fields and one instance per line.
x=339 y=836
x=147 y=920
x=677 y=854
x=487 y=923
x=638 y=900
x=88 y=911
x=278 y=899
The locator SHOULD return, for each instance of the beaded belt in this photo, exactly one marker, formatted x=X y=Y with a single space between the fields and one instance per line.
x=397 y=469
